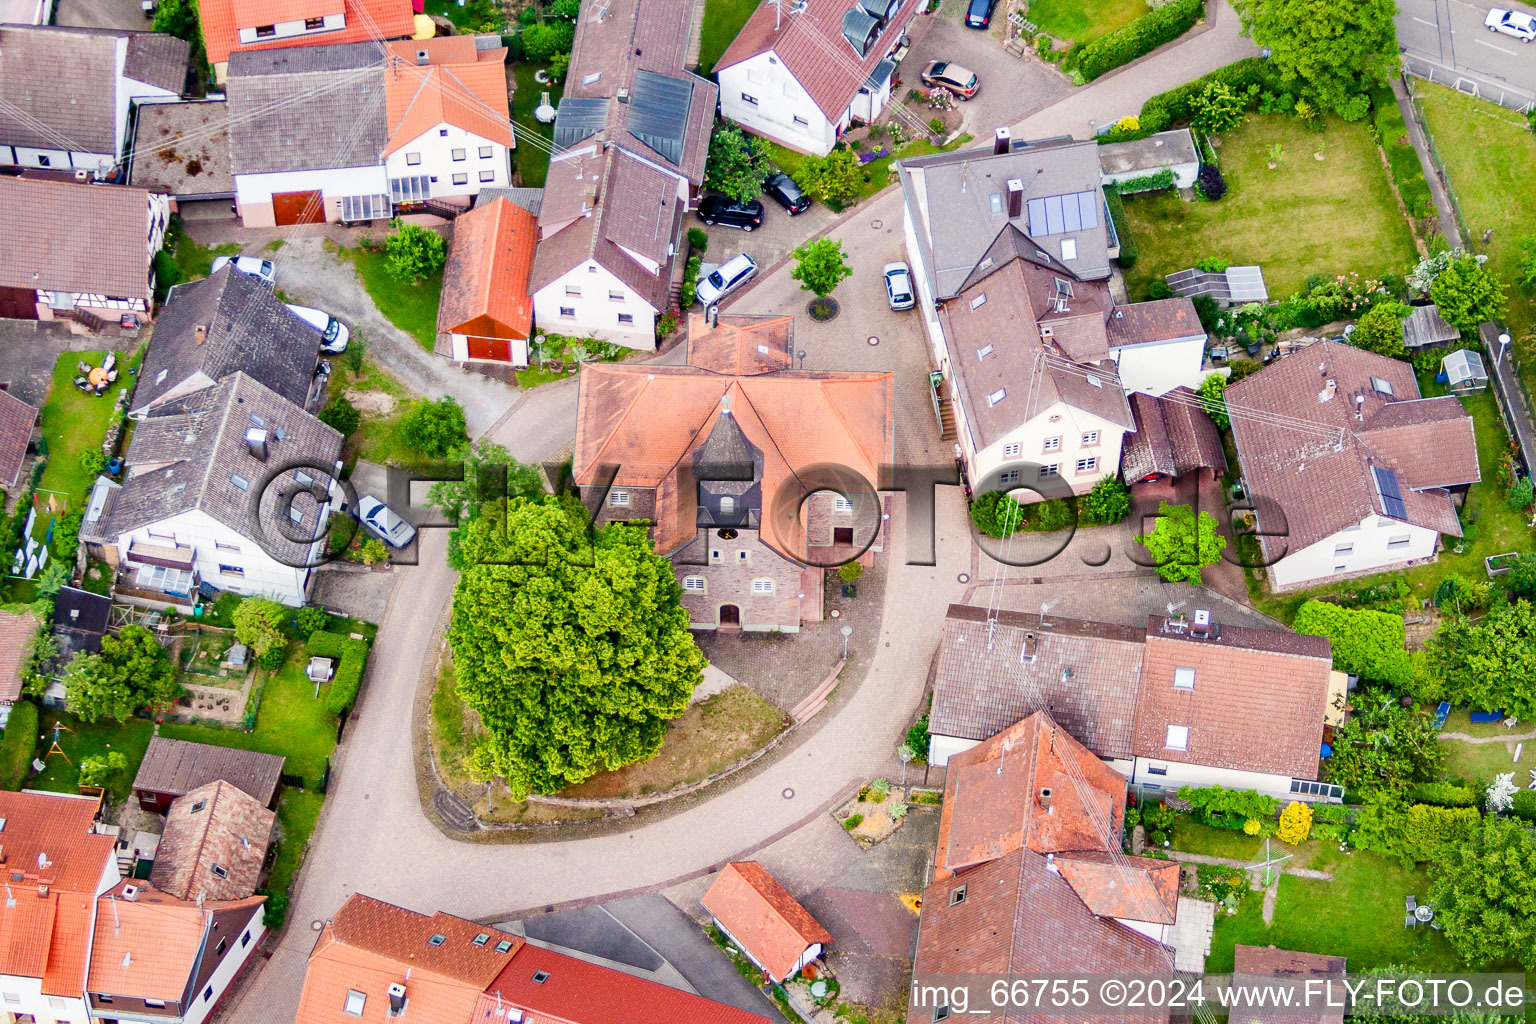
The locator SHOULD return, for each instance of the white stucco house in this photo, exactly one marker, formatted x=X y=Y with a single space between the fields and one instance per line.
x=800 y=73
x=1176 y=702
x=631 y=138
x=427 y=130
x=1011 y=255
x=1348 y=470
x=70 y=91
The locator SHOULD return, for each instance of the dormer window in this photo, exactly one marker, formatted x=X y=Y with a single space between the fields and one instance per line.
x=984 y=351
x=727 y=505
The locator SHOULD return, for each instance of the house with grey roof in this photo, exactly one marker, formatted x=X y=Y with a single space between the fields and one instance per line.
x=631 y=136
x=69 y=92
x=229 y=487
x=230 y=322
x=1010 y=248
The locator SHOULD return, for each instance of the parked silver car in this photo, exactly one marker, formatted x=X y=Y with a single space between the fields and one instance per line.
x=898 y=286
x=726 y=278
x=381 y=521
x=253 y=265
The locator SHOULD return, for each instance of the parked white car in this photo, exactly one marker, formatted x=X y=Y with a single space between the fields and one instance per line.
x=253 y=265
x=381 y=521
x=333 y=333
x=726 y=278
x=898 y=286
x=1518 y=24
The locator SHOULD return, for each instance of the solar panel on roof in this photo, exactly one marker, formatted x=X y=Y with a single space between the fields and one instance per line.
x=1391 y=493
x=1055 y=215
x=579 y=117
x=658 y=112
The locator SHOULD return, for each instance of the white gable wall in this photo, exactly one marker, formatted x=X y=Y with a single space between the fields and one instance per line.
x=586 y=292
x=240 y=950
x=1376 y=543
x=254 y=192
x=435 y=152
x=1157 y=367
x=761 y=94
x=1059 y=421
x=216 y=545
x=1170 y=775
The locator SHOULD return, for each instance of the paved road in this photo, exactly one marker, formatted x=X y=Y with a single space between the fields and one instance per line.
x=1449 y=35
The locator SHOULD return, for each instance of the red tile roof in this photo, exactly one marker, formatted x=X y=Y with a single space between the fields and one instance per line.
x=366 y=19
x=69 y=945
x=461 y=85
x=214 y=843
x=1173 y=437
x=812 y=47
x=1267 y=962
x=47 y=839
x=995 y=799
x=580 y=992
x=760 y=914
x=1247 y=683
x=1130 y=888
x=147 y=947
x=741 y=345
x=17 y=419
x=485 y=283
x=1141 y=323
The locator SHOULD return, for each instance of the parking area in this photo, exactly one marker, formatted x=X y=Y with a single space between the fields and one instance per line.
x=1009 y=85
x=768 y=244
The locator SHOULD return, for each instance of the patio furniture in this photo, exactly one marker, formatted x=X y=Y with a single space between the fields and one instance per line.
x=1436 y=925
x=98 y=376
x=1511 y=722
x=82 y=367
x=82 y=384
x=1441 y=713
x=1425 y=914
x=1411 y=903
x=1409 y=921
x=110 y=361
x=1486 y=717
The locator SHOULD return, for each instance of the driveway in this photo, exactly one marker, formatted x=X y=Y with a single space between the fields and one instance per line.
x=1009 y=85
x=101 y=14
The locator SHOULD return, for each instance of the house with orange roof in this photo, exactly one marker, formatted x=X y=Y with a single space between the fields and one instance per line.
x=233 y=25
x=485 y=313
x=728 y=459
x=404 y=127
x=764 y=920
x=155 y=956
x=375 y=962
x=56 y=865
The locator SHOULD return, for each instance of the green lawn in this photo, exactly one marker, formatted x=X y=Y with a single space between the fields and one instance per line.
x=1083 y=21
x=1493 y=526
x=532 y=160
x=74 y=422
x=1307 y=216
x=1490 y=157
x=1480 y=762
x=723 y=19
x=80 y=739
x=410 y=307
x=297 y=812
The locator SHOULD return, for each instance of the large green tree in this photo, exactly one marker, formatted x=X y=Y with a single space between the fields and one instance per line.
x=1327 y=51
x=1488 y=663
x=1384 y=747
x=1467 y=294
x=1181 y=544
x=259 y=624
x=572 y=645
x=820 y=265
x=132 y=671
x=735 y=165
x=1380 y=330
x=461 y=501
x=1485 y=895
x=436 y=429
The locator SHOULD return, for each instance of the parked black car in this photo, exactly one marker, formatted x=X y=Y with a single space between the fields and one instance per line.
x=722 y=210
x=979 y=14
x=781 y=188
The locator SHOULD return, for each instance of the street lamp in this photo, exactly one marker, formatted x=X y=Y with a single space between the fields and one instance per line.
x=847 y=632
x=1503 y=344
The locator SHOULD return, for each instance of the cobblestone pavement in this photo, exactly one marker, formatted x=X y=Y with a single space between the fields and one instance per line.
x=770 y=243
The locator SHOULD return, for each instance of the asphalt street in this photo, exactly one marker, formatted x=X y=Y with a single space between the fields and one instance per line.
x=1449 y=36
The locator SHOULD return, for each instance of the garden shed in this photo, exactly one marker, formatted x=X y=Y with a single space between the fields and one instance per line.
x=1172 y=151
x=1463 y=371
x=1425 y=326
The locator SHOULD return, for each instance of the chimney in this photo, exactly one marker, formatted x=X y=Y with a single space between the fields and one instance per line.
x=396 y=998
x=1202 y=623
x=1326 y=395
x=1045 y=797
x=1002 y=141
x=202 y=333
x=131 y=893
x=256 y=443
x=712 y=315
x=623 y=94
x=1031 y=647
x=42 y=891
x=1015 y=198
x=423 y=58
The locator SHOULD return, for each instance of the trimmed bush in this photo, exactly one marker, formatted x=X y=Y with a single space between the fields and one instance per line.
x=1444 y=794
x=1155 y=182
x=1407 y=172
x=1366 y=643
x=1210 y=184
x=1524 y=806
x=352 y=658
x=1249 y=78
x=1433 y=833
x=1140 y=37
x=17 y=745
x=1128 y=250
x=996 y=514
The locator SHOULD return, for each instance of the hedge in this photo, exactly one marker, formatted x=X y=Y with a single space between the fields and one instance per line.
x=18 y=745
x=1154 y=182
x=1165 y=109
x=1444 y=794
x=1367 y=643
x=1128 y=250
x=1525 y=805
x=352 y=658
x=1407 y=171
x=1140 y=37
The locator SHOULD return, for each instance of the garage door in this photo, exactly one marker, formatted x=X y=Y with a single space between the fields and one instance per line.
x=18 y=304
x=298 y=208
x=490 y=348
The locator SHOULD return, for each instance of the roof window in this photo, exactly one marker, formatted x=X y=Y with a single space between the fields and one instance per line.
x=482 y=939
x=1095 y=381
x=984 y=351
x=979 y=301
x=1381 y=386
x=1068 y=249
x=1183 y=679
x=997 y=396
x=540 y=977
x=239 y=481
x=355 y=1002
x=219 y=870
x=437 y=940
x=199 y=806
x=503 y=946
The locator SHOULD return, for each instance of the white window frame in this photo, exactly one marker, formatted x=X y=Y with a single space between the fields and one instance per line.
x=1050 y=469
x=694 y=584
x=1088 y=465
x=355 y=1002
x=1052 y=444
x=1183 y=678
x=1014 y=450
x=618 y=499
x=1090 y=438
x=841 y=504
x=762 y=585
x=1177 y=738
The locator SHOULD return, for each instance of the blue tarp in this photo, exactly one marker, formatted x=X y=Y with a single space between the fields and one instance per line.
x=1487 y=716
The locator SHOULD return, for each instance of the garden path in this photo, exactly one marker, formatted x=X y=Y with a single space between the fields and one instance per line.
x=1200 y=858
x=1463 y=737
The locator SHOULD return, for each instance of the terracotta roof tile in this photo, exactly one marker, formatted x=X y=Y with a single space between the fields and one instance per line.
x=582 y=992
x=1032 y=786
x=1247 y=683
x=177 y=767
x=761 y=914
x=1084 y=674
x=214 y=842
x=26 y=932
x=405 y=936
x=336 y=970
x=75 y=237
x=365 y=20
x=69 y=945
x=485 y=283
x=59 y=828
x=1173 y=437
x=1129 y=888
x=147 y=947
x=1267 y=962
x=812 y=46
x=1313 y=459
x=1429 y=442
x=1141 y=323
x=17 y=419
x=741 y=345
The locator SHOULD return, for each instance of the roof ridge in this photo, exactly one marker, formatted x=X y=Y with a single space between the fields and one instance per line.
x=218 y=436
x=771 y=905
